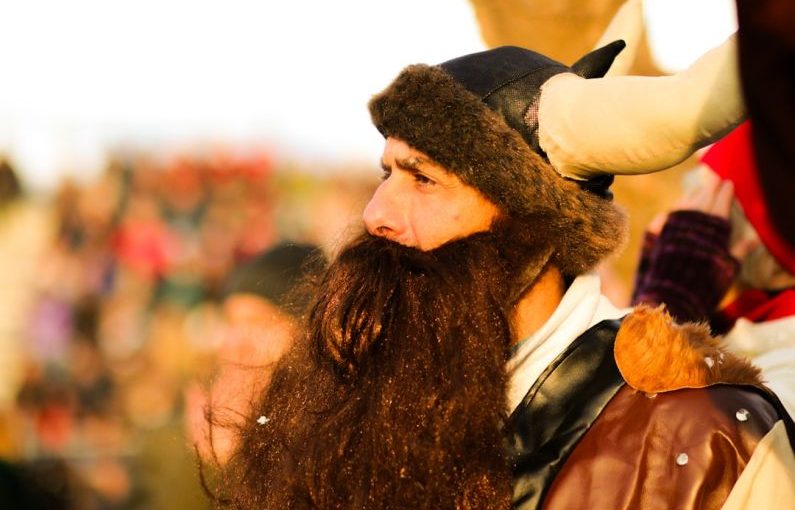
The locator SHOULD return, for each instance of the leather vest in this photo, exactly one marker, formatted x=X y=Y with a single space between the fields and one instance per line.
x=559 y=409
x=564 y=402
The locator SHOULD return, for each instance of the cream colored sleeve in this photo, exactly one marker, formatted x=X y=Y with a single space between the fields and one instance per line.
x=639 y=124
x=768 y=480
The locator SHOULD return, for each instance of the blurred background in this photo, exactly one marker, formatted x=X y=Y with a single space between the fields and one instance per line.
x=149 y=147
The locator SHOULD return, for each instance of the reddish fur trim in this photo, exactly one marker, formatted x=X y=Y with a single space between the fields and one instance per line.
x=654 y=354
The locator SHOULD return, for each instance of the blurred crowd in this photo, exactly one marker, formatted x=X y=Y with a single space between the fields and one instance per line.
x=131 y=304
x=112 y=306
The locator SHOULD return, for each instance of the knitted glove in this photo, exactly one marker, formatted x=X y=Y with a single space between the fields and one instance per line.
x=689 y=268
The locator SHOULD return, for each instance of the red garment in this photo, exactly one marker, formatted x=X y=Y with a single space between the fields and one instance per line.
x=732 y=158
x=756 y=306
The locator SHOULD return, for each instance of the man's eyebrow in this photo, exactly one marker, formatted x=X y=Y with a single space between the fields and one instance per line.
x=412 y=163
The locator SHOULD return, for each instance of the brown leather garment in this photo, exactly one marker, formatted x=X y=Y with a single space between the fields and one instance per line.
x=680 y=449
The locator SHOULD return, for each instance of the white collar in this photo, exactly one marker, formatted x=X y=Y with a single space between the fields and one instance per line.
x=582 y=306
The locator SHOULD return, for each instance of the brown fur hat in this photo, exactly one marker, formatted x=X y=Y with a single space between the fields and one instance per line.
x=432 y=112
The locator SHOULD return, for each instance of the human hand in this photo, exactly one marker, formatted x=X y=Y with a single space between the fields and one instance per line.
x=710 y=195
x=713 y=196
x=657 y=223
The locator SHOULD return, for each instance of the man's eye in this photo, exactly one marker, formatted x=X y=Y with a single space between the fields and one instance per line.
x=386 y=173
x=423 y=180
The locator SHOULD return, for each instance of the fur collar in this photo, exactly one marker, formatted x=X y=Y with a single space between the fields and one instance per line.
x=654 y=354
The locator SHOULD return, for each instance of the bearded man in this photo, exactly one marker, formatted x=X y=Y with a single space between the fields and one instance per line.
x=459 y=353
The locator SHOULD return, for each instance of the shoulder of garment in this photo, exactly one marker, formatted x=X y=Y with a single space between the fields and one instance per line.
x=680 y=433
x=655 y=355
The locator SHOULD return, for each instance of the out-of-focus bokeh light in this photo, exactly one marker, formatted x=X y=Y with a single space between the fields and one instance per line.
x=681 y=30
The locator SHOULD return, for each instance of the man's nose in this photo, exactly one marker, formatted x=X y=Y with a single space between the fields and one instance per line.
x=382 y=216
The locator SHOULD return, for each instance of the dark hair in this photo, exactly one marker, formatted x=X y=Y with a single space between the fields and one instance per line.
x=278 y=275
x=10 y=187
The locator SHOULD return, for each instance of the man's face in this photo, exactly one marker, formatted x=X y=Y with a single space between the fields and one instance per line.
x=420 y=204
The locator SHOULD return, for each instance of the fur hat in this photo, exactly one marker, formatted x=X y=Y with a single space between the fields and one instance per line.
x=475 y=115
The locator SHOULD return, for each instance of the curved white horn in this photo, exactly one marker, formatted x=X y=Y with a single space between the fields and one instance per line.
x=639 y=124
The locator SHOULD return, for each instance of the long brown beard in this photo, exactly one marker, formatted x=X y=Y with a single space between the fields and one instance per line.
x=395 y=395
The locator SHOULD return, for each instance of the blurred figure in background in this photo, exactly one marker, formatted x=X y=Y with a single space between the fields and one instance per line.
x=104 y=286
x=262 y=299
x=112 y=297
x=10 y=187
x=26 y=227
x=720 y=258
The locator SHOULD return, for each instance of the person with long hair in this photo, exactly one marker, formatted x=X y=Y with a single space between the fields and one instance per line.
x=459 y=353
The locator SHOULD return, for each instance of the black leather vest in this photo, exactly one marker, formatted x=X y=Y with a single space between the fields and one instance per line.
x=559 y=409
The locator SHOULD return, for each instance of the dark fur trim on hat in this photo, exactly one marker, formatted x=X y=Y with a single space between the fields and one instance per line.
x=426 y=108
